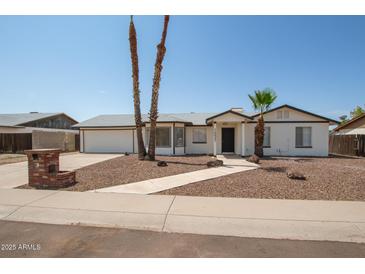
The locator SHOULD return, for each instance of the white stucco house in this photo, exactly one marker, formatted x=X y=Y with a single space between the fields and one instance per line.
x=289 y=131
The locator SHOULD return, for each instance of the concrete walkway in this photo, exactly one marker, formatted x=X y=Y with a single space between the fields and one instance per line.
x=232 y=164
x=14 y=175
x=258 y=218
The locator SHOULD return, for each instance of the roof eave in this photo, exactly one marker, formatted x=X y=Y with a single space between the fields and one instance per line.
x=228 y=111
x=300 y=110
x=47 y=117
x=12 y=126
x=349 y=122
x=133 y=126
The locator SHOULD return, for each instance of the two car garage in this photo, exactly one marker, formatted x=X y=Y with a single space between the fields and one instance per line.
x=107 y=140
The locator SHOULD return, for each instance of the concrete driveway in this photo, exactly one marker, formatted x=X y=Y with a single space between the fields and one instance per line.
x=14 y=175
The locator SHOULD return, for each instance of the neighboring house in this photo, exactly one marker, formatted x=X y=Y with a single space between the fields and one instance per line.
x=22 y=131
x=289 y=131
x=355 y=126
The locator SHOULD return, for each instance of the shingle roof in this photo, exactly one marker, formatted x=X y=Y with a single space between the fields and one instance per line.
x=361 y=116
x=18 y=119
x=123 y=120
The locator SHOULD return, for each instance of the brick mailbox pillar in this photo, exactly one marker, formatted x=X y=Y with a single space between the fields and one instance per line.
x=44 y=169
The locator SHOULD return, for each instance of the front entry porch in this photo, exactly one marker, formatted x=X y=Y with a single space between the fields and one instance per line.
x=230 y=129
x=229 y=138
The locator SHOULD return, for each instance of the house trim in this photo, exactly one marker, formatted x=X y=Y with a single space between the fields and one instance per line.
x=228 y=111
x=48 y=117
x=287 y=122
x=300 y=110
x=107 y=128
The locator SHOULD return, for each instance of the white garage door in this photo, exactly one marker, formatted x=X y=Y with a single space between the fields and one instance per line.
x=108 y=141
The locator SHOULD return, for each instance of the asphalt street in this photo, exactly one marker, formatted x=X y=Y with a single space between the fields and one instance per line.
x=20 y=239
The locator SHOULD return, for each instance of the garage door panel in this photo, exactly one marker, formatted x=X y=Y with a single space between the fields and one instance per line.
x=108 y=141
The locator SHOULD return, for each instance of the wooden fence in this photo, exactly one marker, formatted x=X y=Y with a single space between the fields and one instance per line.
x=13 y=143
x=352 y=145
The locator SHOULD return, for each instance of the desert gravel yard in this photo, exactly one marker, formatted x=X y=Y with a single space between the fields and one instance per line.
x=128 y=169
x=331 y=178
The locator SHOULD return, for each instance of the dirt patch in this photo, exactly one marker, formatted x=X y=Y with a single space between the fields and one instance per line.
x=331 y=178
x=128 y=169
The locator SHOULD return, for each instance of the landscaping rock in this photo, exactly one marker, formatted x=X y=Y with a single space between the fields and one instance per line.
x=215 y=163
x=161 y=163
x=296 y=175
x=254 y=159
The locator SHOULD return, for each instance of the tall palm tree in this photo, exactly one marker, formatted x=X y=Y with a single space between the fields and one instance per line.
x=161 y=50
x=136 y=91
x=262 y=101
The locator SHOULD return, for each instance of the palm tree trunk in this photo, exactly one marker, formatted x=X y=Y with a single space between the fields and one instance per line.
x=161 y=50
x=136 y=92
x=259 y=136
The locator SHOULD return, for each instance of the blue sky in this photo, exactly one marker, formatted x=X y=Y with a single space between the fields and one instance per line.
x=81 y=64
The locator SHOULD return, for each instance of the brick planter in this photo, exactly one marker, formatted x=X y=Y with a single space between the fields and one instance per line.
x=43 y=169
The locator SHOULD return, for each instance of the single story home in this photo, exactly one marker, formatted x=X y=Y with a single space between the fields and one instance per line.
x=355 y=126
x=289 y=131
x=21 y=131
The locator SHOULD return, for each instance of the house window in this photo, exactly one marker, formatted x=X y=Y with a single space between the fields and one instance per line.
x=199 y=135
x=279 y=114
x=179 y=137
x=303 y=137
x=267 y=137
x=163 y=137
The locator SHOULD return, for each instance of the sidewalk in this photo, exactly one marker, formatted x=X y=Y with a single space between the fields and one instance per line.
x=232 y=164
x=258 y=218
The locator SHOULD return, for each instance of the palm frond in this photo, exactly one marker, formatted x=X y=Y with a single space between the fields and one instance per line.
x=263 y=99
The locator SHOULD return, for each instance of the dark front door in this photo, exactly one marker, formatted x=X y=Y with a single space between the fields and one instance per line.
x=227 y=139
